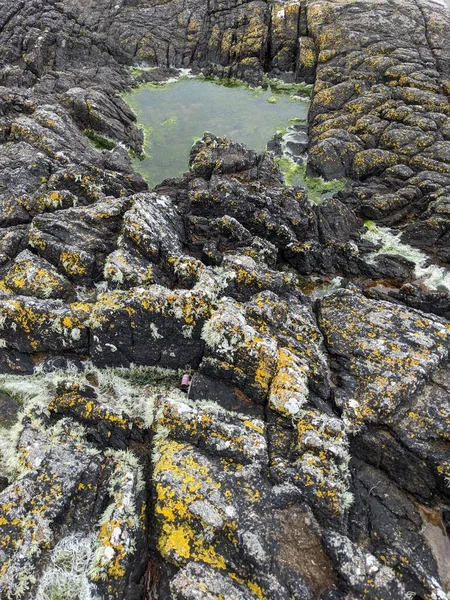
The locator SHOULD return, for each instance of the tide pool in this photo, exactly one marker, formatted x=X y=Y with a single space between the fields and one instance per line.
x=175 y=115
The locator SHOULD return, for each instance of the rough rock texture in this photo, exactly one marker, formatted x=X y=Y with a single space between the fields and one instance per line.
x=310 y=456
x=381 y=111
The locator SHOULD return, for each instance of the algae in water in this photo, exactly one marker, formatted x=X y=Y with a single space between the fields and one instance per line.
x=174 y=115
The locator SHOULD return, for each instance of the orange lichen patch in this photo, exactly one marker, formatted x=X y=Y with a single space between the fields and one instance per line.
x=181 y=479
x=35 y=239
x=264 y=367
x=289 y=387
x=81 y=310
x=50 y=201
x=72 y=262
x=443 y=470
x=190 y=307
x=254 y=426
x=176 y=415
x=307 y=53
x=187 y=307
x=143 y=514
x=106 y=533
x=219 y=431
x=252 y=586
x=35 y=137
x=186 y=266
x=371 y=161
x=124 y=267
x=120 y=522
x=106 y=305
x=323 y=446
x=245 y=38
x=256 y=589
x=285 y=20
x=236 y=346
x=87 y=409
x=36 y=319
x=27 y=278
x=301 y=338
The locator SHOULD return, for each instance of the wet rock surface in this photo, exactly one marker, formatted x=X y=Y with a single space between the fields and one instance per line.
x=310 y=456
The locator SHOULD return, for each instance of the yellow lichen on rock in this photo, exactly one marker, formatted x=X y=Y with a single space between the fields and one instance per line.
x=182 y=480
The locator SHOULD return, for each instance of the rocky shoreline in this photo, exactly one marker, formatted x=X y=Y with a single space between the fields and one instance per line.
x=310 y=458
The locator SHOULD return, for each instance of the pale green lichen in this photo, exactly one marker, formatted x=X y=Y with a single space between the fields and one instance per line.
x=131 y=391
x=65 y=578
x=31 y=392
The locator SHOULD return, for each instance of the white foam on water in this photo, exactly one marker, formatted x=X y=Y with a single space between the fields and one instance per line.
x=433 y=276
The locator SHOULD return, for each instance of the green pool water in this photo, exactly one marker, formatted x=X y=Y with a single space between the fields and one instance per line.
x=175 y=115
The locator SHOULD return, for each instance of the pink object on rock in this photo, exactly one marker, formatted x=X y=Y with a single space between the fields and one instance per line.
x=185 y=382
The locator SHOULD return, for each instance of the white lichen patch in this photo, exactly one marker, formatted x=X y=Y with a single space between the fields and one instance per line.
x=119 y=524
x=30 y=393
x=66 y=576
x=27 y=390
x=360 y=568
x=227 y=329
x=133 y=391
x=324 y=458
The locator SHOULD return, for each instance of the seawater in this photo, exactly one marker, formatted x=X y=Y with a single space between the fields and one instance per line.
x=175 y=115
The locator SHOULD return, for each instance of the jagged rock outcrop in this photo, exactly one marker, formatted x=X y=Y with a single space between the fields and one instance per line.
x=310 y=456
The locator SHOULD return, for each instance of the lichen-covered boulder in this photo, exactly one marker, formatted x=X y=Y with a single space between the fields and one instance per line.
x=153 y=226
x=386 y=364
x=31 y=275
x=127 y=268
x=29 y=325
x=135 y=326
x=237 y=352
x=210 y=519
x=78 y=240
x=53 y=472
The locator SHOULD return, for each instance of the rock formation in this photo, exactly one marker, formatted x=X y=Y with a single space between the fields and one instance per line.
x=310 y=457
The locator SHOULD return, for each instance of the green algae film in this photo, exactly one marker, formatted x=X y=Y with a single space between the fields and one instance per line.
x=174 y=116
x=317 y=188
